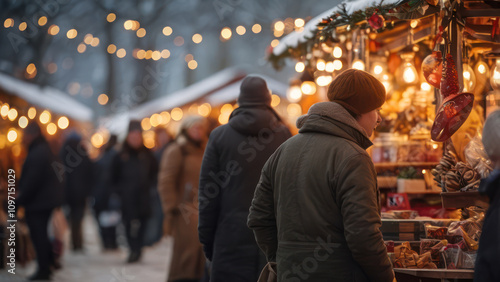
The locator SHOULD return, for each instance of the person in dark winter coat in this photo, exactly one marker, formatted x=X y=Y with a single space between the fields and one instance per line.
x=316 y=209
x=134 y=170
x=486 y=268
x=103 y=194
x=233 y=160
x=40 y=191
x=78 y=184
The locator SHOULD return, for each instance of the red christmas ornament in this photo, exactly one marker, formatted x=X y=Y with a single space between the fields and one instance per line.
x=455 y=108
x=432 y=68
x=449 y=81
x=376 y=21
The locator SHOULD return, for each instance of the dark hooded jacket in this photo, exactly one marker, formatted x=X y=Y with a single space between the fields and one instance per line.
x=316 y=208
x=78 y=173
x=40 y=186
x=233 y=159
x=486 y=268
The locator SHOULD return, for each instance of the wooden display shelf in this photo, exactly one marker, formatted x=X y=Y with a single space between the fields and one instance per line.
x=458 y=200
x=438 y=273
x=405 y=164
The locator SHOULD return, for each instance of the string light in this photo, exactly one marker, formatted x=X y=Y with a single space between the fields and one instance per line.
x=337 y=52
x=241 y=30
x=23 y=122
x=294 y=94
x=165 y=53
x=103 y=99
x=51 y=128
x=53 y=30
x=167 y=31
x=192 y=64
x=97 y=140
x=8 y=23
x=226 y=33
x=204 y=109
x=165 y=117
x=146 y=124
x=4 y=111
x=72 y=33
x=141 y=32
x=111 y=48
x=45 y=117
x=12 y=114
x=63 y=122
x=279 y=26
x=156 y=55
x=23 y=26
x=358 y=64
x=32 y=113
x=300 y=67
x=42 y=21
x=256 y=28
x=197 y=38
x=111 y=17
x=176 y=114
x=275 y=43
x=121 y=53
x=299 y=22
x=12 y=135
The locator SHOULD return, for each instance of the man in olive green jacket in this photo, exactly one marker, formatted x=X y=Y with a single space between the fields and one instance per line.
x=316 y=209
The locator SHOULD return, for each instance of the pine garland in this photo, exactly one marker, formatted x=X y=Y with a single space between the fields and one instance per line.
x=405 y=9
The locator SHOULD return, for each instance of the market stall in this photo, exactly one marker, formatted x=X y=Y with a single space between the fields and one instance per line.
x=440 y=64
x=22 y=103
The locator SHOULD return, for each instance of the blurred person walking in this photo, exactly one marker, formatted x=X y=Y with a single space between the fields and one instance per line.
x=106 y=202
x=134 y=170
x=40 y=192
x=317 y=201
x=77 y=185
x=233 y=160
x=178 y=186
x=486 y=268
x=154 y=227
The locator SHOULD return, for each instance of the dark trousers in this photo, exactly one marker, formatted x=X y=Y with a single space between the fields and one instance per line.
x=37 y=223
x=76 y=218
x=134 y=229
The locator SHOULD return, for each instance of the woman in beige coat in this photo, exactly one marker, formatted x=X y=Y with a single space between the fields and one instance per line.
x=178 y=180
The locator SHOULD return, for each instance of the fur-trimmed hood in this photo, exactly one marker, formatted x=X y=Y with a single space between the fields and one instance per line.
x=331 y=118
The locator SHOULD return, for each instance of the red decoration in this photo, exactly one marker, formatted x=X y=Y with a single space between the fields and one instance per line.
x=376 y=21
x=432 y=68
x=449 y=81
x=455 y=108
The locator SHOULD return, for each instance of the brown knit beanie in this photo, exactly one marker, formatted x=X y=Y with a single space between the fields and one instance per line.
x=357 y=91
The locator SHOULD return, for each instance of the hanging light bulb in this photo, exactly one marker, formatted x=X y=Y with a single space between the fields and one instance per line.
x=294 y=94
x=308 y=87
x=320 y=64
x=330 y=67
x=482 y=67
x=337 y=52
x=495 y=75
x=409 y=72
x=324 y=79
x=358 y=64
x=337 y=65
x=377 y=69
x=469 y=78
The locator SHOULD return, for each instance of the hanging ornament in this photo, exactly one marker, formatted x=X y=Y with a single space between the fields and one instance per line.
x=432 y=68
x=376 y=21
x=455 y=108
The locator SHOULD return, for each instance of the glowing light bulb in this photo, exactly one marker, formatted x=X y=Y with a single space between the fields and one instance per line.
x=308 y=87
x=320 y=64
x=358 y=64
x=337 y=64
x=495 y=76
x=378 y=69
x=337 y=52
x=299 y=67
x=469 y=78
x=324 y=80
x=409 y=73
x=294 y=94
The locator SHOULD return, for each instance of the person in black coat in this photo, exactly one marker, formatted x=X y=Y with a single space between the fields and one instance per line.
x=103 y=195
x=486 y=268
x=78 y=184
x=134 y=171
x=40 y=192
x=233 y=160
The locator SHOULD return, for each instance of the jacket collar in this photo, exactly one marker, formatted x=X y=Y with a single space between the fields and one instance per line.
x=331 y=118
